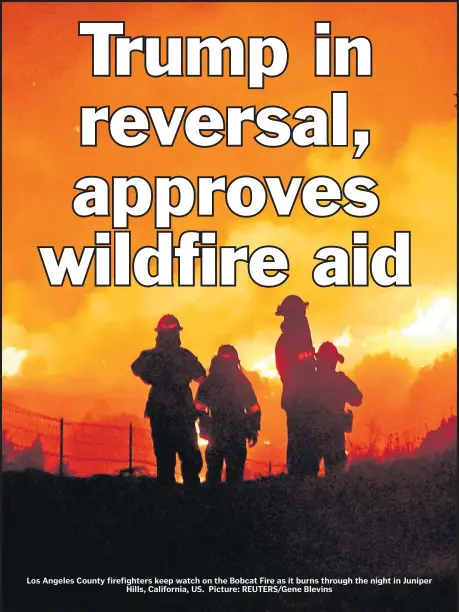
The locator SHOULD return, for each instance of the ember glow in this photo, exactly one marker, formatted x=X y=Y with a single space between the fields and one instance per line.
x=201 y=441
x=266 y=367
x=432 y=329
x=344 y=339
x=437 y=322
x=80 y=341
x=12 y=359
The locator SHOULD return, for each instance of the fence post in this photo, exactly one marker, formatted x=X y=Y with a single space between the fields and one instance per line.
x=130 y=448
x=61 y=446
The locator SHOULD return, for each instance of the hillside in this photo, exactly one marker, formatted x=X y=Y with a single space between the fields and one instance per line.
x=394 y=520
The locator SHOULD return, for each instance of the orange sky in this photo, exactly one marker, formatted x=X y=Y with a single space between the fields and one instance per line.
x=85 y=338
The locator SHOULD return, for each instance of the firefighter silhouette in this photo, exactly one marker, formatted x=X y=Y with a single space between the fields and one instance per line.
x=332 y=420
x=230 y=416
x=169 y=369
x=295 y=362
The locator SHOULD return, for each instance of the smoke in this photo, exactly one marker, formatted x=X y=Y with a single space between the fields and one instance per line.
x=401 y=405
x=18 y=460
x=80 y=341
x=110 y=324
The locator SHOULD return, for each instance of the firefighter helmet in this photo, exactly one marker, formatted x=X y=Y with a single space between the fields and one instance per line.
x=228 y=352
x=329 y=350
x=291 y=304
x=168 y=323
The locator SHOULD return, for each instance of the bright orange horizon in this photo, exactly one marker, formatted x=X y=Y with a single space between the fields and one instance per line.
x=81 y=341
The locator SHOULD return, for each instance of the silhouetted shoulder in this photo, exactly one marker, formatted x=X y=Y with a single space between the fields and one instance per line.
x=351 y=392
x=196 y=369
x=143 y=366
x=206 y=391
x=188 y=354
x=245 y=391
x=138 y=365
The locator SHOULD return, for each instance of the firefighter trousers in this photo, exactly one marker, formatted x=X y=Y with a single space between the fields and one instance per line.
x=171 y=441
x=233 y=453
x=309 y=442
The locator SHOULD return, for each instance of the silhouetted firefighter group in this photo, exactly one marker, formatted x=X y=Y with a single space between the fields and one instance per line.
x=314 y=398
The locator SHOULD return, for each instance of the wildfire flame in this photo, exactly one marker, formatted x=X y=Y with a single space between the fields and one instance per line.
x=266 y=367
x=12 y=359
x=433 y=326
x=201 y=441
x=437 y=321
x=345 y=339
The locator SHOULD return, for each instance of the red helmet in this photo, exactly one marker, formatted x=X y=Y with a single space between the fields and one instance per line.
x=168 y=323
x=329 y=351
x=291 y=304
x=228 y=352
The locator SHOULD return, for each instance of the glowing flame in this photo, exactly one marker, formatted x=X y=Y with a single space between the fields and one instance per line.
x=12 y=359
x=345 y=339
x=266 y=367
x=436 y=322
x=201 y=441
x=433 y=328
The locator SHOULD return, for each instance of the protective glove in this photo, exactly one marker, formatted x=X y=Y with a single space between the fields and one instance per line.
x=252 y=439
x=348 y=420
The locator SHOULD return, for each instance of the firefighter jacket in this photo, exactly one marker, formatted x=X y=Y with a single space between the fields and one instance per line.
x=295 y=361
x=232 y=404
x=332 y=391
x=169 y=372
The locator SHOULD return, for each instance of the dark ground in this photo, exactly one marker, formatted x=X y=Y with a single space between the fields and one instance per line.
x=393 y=520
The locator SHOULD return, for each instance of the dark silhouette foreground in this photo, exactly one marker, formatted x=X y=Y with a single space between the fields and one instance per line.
x=231 y=416
x=386 y=520
x=169 y=369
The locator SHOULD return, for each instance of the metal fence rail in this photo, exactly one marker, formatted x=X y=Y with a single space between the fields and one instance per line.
x=37 y=437
x=83 y=448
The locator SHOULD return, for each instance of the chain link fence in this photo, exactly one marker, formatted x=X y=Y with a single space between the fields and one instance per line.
x=77 y=448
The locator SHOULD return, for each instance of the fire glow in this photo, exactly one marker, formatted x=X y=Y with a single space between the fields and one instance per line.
x=438 y=321
x=12 y=359
x=434 y=325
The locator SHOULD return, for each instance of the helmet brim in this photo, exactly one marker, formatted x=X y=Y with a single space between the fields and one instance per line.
x=282 y=312
x=335 y=356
